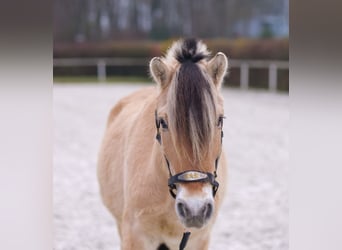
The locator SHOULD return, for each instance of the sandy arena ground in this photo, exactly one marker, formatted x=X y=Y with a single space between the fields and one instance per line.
x=254 y=215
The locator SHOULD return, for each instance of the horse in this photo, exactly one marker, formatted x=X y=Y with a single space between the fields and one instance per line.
x=161 y=167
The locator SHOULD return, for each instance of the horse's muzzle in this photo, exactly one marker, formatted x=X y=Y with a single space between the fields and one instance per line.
x=195 y=213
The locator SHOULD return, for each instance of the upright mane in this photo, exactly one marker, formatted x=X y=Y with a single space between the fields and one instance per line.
x=191 y=109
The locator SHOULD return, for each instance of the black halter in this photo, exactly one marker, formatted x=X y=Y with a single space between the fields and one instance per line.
x=189 y=175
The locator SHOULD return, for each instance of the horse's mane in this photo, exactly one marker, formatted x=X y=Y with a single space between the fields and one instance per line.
x=192 y=112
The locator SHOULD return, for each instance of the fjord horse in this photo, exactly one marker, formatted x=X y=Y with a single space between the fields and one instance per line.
x=161 y=168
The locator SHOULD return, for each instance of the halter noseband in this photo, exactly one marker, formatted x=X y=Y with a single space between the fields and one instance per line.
x=189 y=175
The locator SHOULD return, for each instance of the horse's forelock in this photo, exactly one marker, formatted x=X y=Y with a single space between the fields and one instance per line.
x=191 y=111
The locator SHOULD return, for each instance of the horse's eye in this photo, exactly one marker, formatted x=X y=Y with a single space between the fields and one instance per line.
x=220 y=121
x=163 y=123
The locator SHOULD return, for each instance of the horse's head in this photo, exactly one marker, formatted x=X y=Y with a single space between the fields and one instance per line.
x=189 y=116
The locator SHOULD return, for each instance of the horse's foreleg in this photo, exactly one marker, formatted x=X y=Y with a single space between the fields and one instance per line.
x=201 y=243
x=131 y=239
x=204 y=245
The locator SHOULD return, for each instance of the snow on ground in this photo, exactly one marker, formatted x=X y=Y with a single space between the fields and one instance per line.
x=254 y=215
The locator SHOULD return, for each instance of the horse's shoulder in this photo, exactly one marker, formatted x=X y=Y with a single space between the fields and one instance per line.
x=135 y=98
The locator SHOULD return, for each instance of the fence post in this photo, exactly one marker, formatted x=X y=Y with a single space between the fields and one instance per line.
x=101 y=70
x=244 y=83
x=272 y=77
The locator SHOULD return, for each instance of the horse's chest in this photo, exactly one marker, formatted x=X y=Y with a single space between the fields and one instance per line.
x=165 y=226
x=165 y=233
x=168 y=228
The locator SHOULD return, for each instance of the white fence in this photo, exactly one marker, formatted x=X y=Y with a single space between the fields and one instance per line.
x=244 y=65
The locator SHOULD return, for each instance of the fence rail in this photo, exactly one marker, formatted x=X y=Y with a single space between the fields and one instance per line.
x=244 y=65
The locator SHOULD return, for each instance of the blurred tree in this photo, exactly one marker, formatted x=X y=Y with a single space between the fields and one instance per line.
x=266 y=31
x=100 y=20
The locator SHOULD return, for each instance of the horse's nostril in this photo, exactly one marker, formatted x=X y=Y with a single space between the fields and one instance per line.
x=183 y=210
x=207 y=210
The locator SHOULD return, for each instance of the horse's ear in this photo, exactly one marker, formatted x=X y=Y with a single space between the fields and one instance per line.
x=159 y=71
x=217 y=68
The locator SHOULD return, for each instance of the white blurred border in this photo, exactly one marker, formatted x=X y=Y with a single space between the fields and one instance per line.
x=25 y=126
x=316 y=125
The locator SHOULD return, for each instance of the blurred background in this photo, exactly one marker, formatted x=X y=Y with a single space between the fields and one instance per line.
x=113 y=40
